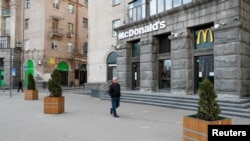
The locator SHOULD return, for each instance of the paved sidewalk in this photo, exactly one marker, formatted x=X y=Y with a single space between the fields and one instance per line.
x=88 y=119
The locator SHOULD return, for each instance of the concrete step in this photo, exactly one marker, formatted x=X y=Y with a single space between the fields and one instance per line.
x=229 y=106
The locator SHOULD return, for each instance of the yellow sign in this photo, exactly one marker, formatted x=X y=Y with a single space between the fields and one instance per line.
x=51 y=61
x=204 y=35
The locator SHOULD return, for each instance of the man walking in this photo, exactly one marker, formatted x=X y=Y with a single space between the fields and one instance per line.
x=115 y=94
x=20 y=85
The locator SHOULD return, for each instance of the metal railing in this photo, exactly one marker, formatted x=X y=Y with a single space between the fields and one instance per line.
x=6 y=32
x=57 y=30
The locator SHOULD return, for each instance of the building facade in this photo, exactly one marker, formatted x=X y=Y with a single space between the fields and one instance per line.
x=10 y=36
x=105 y=17
x=54 y=35
x=172 y=45
x=176 y=44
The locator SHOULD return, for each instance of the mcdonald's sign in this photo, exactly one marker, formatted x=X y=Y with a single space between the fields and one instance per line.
x=204 y=34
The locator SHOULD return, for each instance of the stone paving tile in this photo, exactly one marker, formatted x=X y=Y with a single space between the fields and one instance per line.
x=88 y=119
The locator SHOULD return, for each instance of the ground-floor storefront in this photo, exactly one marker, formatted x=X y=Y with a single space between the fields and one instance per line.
x=71 y=75
x=10 y=67
x=177 y=61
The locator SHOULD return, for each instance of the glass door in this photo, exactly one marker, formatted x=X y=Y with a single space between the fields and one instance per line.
x=204 y=69
x=64 y=77
x=1 y=78
x=164 y=74
x=135 y=76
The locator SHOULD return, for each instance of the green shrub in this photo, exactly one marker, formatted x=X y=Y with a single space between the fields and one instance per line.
x=208 y=108
x=31 y=82
x=54 y=84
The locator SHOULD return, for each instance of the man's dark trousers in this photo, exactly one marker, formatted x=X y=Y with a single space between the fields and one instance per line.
x=115 y=104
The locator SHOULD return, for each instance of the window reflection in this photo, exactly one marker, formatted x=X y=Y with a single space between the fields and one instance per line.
x=160 y=6
x=186 y=1
x=152 y=7
x=177 y=3
x=165 y=74
x=138 y=9
x=168 y=4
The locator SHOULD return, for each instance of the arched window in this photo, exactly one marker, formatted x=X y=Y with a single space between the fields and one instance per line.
x=111 y=63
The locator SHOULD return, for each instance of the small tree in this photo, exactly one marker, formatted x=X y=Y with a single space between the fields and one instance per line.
x=31 y=82
x=54 y=84
x=208 y=108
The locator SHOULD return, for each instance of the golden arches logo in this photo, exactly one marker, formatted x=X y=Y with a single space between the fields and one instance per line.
x=204 y=35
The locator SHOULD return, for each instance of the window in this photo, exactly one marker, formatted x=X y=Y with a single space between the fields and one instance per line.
x=176 y=3
x=165 y=74
x=85 y=47
x=85 y=3
x=204 y=37
x=55 y=25
x=70 y=28
x=71 y=8
x=186 y=1
x=153 y=7
x=157 y=6
x=116 y=23
x=135 y=49
x=27 y=4
x=69 y=47
x=54 y=45
x=56 y=4
x=85 y=22
x=6 y=24
x=1 y=62
x=26 y=24
x=168 y=4
x=26 y=45
x=116 y=2
x=4 y=42
x=160 y=6
x=164 y=44
x=77 y=74
x=137 y=10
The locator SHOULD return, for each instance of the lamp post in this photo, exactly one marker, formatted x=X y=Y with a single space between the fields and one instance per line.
x=11 y=69
x=18 y=44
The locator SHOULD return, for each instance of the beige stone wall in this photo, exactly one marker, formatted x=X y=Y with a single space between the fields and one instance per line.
x=34 y=34
x=101 y=14
x=41 y=14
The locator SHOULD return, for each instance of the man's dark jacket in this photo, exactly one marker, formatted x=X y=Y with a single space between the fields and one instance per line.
x=114 y=90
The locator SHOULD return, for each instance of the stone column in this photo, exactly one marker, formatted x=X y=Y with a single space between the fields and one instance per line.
x=148 y=67
x=124 y=66
x=13 y=5
x=232 y=57
x=182 y=71
x=7 y=65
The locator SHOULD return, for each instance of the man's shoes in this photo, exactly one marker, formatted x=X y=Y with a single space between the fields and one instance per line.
x=116 y=116
x=111 y=111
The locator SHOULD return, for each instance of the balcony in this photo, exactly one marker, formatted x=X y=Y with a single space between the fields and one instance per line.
x=56 y=32
x=5 y=32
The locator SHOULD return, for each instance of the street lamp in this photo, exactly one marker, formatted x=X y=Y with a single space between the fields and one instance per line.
x=11 y=71
x=19 y=45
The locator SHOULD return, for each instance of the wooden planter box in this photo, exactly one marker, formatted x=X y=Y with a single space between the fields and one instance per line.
x=197 y=129
x=53 y=105
x=31 y=94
